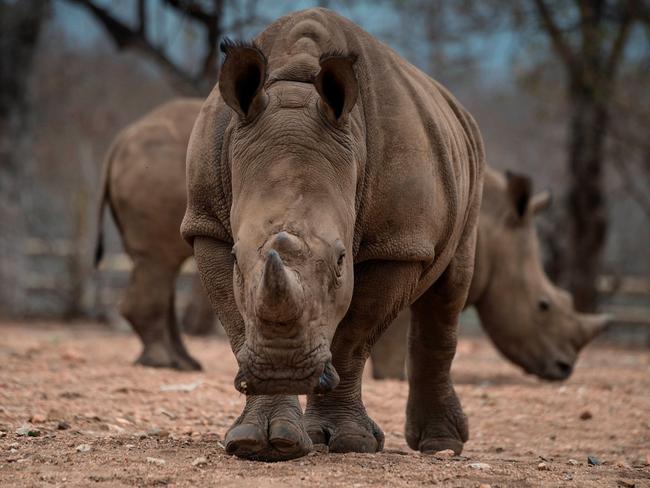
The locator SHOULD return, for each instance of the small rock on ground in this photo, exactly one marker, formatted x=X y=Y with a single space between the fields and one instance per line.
x=28 y=430
x=445 y=454
x=156 y=461
x=586 y=415
x=593 y=461
x=200 y=461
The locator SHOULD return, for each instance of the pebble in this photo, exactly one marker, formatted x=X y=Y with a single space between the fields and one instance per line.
x=622 y=464
x=586 y=415
x=573 y=462
x=28 y=430
x=38 y=418
x=156 y=461
x=115 y=428
x=157 y=432
x=167 y=413
x=481 y=466
x=484 y=485
x=593 y=461
x=625 y=484
x=445 y=454
x=200 y=461
x=543 y=467
x=63 y=425
x=83 y=448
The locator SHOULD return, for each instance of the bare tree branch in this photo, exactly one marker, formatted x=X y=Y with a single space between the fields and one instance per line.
x=125 y=37
x=631 y=189
x=195 y=10
x=613 y=59
x=142 y=17
x=560 y=44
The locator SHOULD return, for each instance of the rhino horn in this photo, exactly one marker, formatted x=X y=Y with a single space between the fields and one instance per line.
x=279 y=295
x=592 y=325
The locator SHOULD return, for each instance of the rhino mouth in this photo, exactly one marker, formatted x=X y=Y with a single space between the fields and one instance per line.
x=288 y=373
x=557 y=370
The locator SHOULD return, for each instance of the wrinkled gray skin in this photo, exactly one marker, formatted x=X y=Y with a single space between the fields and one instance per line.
x=330 y=185
x=144 y=185
x=532 y=322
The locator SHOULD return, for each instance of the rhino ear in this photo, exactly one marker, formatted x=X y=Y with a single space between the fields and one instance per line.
x=540 y=201
x=519 y=191
x=337 y=85
x=242 y=78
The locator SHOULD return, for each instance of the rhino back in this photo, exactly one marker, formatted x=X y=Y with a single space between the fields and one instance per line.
x=146 y=179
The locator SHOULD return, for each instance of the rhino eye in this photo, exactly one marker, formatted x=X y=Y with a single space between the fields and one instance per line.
x=543 y=305
x=339 y=261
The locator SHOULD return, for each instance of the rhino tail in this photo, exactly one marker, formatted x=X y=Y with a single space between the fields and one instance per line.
x=101 y=204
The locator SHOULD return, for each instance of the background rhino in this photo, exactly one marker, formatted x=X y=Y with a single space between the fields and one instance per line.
x=530 y=321
x=144 y=186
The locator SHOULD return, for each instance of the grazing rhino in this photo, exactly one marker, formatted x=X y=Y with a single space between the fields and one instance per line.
x=144 y=185
x=532 y=322
x=330 y=185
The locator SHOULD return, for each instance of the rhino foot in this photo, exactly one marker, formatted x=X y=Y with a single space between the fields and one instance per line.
x=343 y=429
x=269 y=429
x=433 y=426
x=159 y=356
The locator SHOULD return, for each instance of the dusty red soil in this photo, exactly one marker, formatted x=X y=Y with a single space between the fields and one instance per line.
x=103 y=422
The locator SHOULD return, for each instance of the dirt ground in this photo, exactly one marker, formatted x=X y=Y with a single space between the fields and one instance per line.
x=93 y=419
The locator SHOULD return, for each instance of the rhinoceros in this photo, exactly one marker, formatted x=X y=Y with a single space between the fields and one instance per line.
x=331 y=184
x=144 y=186
x=532 y=322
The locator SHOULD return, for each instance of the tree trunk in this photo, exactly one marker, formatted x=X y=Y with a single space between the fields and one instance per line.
x=20 y=24
x=586 y=198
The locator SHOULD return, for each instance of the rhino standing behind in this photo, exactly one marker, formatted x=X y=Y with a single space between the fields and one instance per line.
x=144 y=185
x=330 y=185
x=532 y=322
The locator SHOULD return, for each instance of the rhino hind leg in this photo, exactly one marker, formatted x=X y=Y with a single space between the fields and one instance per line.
x=199 y=319
x=148 y=305
x=434 y=418
x=389 y=353
x=339 y=418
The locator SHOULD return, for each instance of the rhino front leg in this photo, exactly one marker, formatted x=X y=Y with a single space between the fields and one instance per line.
x=270 y=428
x=339 y=418
x=434 y=418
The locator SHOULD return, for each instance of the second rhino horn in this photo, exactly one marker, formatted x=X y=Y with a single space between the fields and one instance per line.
x=279 y=295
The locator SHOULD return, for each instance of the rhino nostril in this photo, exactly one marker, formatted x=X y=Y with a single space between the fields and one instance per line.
x=564 y=368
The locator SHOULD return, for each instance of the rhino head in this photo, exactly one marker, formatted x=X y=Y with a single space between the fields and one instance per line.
x=531 y=321
x=294 y=176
